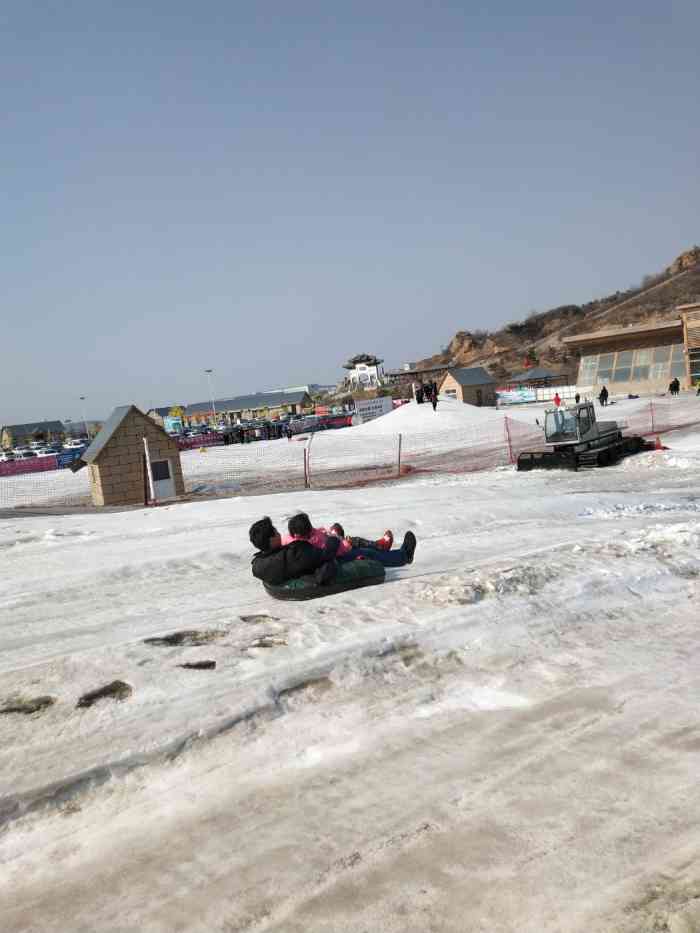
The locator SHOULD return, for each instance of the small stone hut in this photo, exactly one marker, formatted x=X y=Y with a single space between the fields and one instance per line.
x=117 y=461
x=473 y=385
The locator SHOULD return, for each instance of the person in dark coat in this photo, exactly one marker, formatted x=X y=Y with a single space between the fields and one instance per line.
x=603 y=397
x=577 y=398
x=433 y=394
x=420 y=393
x=276 y=564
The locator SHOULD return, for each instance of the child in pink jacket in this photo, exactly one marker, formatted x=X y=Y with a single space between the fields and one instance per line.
x=301 y=529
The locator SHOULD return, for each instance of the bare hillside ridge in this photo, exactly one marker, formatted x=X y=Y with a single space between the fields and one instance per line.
x=538 y=338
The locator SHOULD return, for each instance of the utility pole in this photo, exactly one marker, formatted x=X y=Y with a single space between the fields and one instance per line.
x=211 y=391
x=87 y=433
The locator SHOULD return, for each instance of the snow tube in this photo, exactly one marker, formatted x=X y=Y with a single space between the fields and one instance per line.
x=351 y=575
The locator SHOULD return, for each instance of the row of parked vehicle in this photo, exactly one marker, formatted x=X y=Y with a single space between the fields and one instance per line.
x=42 y=449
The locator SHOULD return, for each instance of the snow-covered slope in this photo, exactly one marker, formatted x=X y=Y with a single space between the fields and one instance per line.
x=412 y=418
x=505 y=731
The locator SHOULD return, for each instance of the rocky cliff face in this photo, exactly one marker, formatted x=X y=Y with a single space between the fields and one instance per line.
x=685 y=261
x=537 y=339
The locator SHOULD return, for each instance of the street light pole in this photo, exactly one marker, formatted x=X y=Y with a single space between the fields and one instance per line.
x=211 y=391
x=87 y=433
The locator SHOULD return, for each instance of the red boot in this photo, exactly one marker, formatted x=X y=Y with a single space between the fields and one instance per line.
x=386 y=541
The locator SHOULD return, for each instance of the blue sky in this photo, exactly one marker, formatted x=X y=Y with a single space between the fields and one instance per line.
x=267 y=188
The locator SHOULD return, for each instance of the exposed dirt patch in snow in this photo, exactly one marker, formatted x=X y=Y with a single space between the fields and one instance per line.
x=187 y=637
x=116 y=690
x=27 y=706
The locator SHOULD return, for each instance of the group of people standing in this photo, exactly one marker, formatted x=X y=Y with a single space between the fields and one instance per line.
x=427 y=392
x=674 y=386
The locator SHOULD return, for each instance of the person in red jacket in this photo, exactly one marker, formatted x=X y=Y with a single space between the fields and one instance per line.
x=557 y=399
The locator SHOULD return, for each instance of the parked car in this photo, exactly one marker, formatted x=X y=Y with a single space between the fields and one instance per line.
x=74 y=443
x=25 y=455
x=6 y=456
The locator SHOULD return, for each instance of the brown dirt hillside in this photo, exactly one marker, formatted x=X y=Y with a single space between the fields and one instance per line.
x=537 y=339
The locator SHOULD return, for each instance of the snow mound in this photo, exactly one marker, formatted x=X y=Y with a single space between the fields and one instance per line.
x=413 y=418
x=657 y=459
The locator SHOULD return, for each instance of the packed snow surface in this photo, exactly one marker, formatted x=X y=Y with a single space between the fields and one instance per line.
x=450 y=415
x=502 y=737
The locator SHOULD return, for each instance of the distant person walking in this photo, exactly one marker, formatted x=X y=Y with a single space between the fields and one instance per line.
x=557 y=399
x=603 y=397
x=577 y=398
x=420 y=393
x=674 y=387
x=432 y=394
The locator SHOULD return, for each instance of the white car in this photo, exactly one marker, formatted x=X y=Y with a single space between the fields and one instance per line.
x=25 y=454
x=74 y=443
x=6 y=456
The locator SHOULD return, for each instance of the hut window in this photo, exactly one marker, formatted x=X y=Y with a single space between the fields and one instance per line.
x=160 y=469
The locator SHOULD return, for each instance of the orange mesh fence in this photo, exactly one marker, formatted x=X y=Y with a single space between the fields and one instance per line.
x=334 y=458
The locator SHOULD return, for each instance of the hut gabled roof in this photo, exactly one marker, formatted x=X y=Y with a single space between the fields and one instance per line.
x=110 y=428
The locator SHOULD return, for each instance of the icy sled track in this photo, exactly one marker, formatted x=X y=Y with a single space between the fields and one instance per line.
x=503 y=737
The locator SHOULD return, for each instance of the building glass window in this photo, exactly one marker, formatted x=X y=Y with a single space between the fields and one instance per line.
x=622 y=375
x=604 y=375
x=678 y=369
x=661 y=354
x=624 y=358
x=588 y=369
x=658 y=371
x=694 y=365
x=606 y=360
x=640 y=373
x=677 y=352
x=643 y=358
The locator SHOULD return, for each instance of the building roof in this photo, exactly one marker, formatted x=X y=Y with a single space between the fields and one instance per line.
x=34 y=427
x=162 y=412
x=247 y=402
x=472 y=376
x=109 y=428
x=418 y=371
x=634 y=330
x=535 y=374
